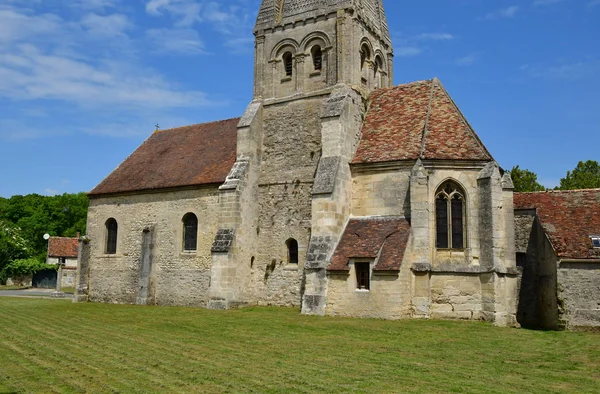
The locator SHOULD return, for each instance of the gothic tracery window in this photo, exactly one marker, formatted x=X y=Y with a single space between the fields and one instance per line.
x=450 y=209
x=190 y=232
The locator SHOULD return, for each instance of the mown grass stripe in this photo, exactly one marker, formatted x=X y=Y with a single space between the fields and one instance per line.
x=269 y=350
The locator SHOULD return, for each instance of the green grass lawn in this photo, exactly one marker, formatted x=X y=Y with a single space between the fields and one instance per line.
x=56 y=346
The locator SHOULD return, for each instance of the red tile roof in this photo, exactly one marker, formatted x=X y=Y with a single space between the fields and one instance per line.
x=415 y=120
x=63 y=247
x=385 y=237
x=186 y=156
x=568 y=218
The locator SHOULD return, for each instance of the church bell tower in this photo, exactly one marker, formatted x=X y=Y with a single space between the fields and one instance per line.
x=303 y=46
x=286 y=200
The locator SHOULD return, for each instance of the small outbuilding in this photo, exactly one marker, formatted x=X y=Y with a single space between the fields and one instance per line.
x=558 y=249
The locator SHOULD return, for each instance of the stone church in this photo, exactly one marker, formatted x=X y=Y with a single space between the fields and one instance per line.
x=335 y=192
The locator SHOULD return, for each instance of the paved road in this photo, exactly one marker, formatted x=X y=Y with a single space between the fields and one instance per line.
x=45 y=293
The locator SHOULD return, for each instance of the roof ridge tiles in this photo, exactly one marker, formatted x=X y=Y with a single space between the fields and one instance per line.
x=561 y=191
x=197 y=124
x=427 y=118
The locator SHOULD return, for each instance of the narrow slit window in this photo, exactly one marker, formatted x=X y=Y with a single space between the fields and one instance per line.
x=292 y=246
x=190 y=232
x=521 y=259
x=317 y=56
x=363 y=276
x=288 y=64
x=112 y=229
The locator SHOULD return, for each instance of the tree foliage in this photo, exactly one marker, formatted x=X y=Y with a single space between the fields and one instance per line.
x=525 y=180
x=585 y=176
x=25 y=219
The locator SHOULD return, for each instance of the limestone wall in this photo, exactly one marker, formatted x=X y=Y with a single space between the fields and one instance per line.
x=389 y=296
x=456 y=296
x=381 y=193
x=178 y=278
x=579 y=294
x=291 y=149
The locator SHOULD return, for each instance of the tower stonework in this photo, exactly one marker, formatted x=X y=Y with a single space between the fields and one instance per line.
x=315 y=63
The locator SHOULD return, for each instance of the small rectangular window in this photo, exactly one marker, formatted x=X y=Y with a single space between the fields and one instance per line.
x=363 y=273
x=596 y=241
x=521 y=260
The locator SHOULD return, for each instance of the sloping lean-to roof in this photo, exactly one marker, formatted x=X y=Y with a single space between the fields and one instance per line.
x=186 y=156
x=63 y=247
x=383 y=237
x=417 y=120
x=569 y=218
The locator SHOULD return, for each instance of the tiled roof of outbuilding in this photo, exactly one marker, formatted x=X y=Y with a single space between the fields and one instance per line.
x=417 y=120
x=569 y=219
x=385 y=237
x=63 y=247
x=186 y=156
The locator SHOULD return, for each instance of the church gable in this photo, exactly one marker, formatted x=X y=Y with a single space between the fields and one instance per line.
x=186 y=156
x=448 y=136
x=416 y=120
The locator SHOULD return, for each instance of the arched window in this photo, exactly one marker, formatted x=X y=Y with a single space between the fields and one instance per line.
x=317 y=57
x=288 y=64
x=292 y=246
x=190 y=232
x=377 y=66
x=450 y=215
x=112 y=229
x=365 y=54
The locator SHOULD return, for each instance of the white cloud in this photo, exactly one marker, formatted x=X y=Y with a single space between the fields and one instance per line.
x=433 y=37
x=467 y=60
x=566 y=71
x=16 y=26
x=546 y=2
x=417 y=44
x=182 y=41
x=187 y=12
x=407 y=51
x=508 y=12
x=86 y=66
x=110 y=25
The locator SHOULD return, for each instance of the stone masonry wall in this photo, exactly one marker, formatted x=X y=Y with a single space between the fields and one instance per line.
x=384 y=193
x=579 y=294
x=178 y=278
x=290 y=155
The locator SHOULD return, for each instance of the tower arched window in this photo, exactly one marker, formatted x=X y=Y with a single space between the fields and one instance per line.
x=317 y=57
x=365 y=54
x=288 y=64
x=292 y=246
x=112 y=230
x=378 y=66
x=190 y=232
x=450 y=216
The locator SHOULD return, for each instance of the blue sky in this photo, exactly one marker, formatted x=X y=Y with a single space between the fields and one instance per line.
x=83 y=82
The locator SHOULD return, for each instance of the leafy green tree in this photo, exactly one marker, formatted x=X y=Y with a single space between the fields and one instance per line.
x=525 y=180
x=36 y=215
x=13 y=246
x=585 y=176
